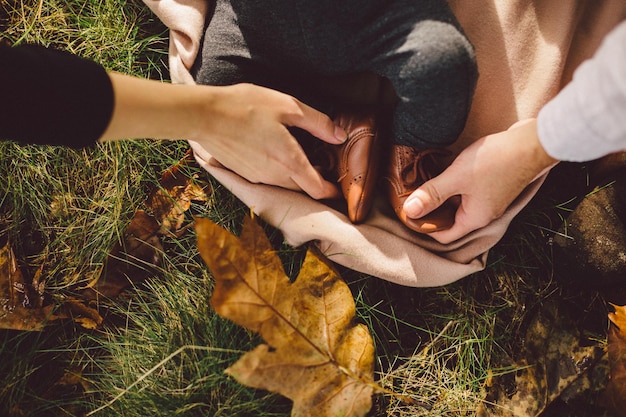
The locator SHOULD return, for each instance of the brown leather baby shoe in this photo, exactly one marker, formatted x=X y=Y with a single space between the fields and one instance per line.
x=409 y=168
x=354 y=164
x=358 y=161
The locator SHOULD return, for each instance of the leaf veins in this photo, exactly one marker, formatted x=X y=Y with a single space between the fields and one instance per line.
x=315 y=354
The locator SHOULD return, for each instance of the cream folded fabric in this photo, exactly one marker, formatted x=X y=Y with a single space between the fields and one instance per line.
x=526 y=51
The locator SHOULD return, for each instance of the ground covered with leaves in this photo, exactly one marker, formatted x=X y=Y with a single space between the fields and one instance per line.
x=113 y=305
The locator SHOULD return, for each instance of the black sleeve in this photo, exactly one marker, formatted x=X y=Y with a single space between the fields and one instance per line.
x=52 y=97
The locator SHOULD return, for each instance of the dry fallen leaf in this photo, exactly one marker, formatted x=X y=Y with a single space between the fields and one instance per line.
x=129 y=262
x=315 y=354
x=80 y=312
x=618 y=318
x=554 y=365
x=66 y=395
x=134 y=259
x=169 y=203
x=21 y=301
x=615 y=393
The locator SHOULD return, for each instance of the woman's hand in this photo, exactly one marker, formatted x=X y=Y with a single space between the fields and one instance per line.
x=245 y=130
x=244 y=127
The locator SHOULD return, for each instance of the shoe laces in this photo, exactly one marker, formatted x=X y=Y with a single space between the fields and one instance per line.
x=425 y=165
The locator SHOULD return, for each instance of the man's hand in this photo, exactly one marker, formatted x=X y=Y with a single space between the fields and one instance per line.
x=245 y=130
x=488 y=175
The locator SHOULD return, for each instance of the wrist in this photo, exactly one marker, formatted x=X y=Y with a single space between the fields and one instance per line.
x=201 y=110
x=543 y=159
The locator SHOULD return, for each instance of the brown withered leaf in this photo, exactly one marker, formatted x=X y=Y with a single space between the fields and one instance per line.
x=135 y=258
x=21 y=300
x=131 y=261
x=67 y=394
x=81 y=313
x=615 y=394
x=169 y=203
x=314 y=353
x=554 y=365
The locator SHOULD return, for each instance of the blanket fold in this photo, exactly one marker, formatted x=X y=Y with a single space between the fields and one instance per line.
x=526 y=50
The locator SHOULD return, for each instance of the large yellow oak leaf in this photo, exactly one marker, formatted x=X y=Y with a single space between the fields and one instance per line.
x=314 y=354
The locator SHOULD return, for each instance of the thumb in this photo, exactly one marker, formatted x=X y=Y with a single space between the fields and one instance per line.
x=318 y=124
x=429 y=196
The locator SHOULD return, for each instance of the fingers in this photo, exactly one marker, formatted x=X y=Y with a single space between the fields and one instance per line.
x=297 y=175
x=472 y=214
x=433 y=194
x=318 y=124
x=461 y=227
x=311 y=182
x=430 y=195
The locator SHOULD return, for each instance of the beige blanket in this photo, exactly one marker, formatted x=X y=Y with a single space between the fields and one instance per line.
x=526 y=51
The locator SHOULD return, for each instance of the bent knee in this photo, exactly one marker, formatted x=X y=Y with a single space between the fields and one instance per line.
x=439 y=52
x=436 y=86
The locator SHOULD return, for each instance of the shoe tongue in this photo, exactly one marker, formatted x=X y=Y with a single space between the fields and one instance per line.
x=411 y=171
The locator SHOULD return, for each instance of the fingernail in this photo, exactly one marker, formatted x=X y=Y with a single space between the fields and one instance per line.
x=340 y=134
x=413 y=208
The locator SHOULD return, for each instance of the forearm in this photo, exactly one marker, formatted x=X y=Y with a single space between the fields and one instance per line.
x=152 y=109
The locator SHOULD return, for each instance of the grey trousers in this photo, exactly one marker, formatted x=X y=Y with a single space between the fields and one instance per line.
x=285 y=44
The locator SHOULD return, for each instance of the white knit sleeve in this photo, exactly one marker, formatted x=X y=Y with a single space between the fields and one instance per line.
x=587 y=119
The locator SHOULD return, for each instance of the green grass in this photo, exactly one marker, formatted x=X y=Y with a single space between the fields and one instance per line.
x=162 y=350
